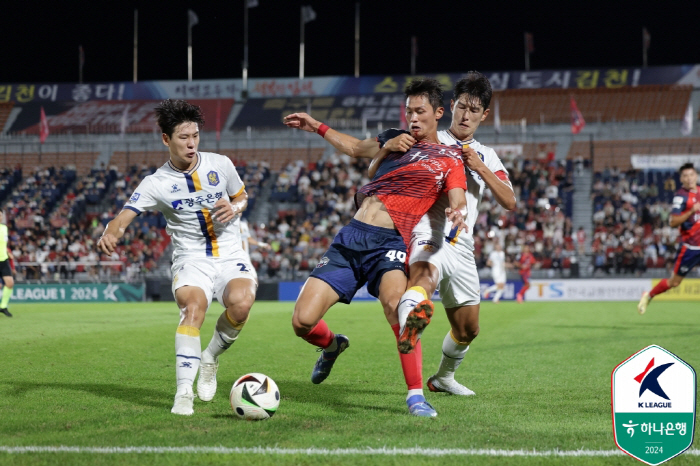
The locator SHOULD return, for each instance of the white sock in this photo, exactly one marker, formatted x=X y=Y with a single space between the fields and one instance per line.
x=332 y=347
x=409 y=300
x=188 y=353
x=498 y=295
x=491 y=289
x=225 y=334
x=415 y=391
x=452 y=356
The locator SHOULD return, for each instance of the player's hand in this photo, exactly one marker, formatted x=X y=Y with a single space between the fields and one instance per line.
x=107 y=244
x=457 y=219
x=471 y=158
x=400 y=143
x=301 y=121
x=224 y=211
x=264 y=246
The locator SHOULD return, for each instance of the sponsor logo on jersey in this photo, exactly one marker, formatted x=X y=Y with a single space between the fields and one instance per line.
x=427 y=242
x=213 y=178
x=324 y=261
x=176 y=189
x=177 y=205
x=134 y=198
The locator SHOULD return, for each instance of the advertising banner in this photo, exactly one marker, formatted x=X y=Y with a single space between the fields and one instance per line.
x=587 y=78
x=587 y=290
x=688 y=290
x=89 y=292
x=663 y=161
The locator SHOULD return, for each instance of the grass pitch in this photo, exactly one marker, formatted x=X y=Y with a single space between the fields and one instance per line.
x=102 y=375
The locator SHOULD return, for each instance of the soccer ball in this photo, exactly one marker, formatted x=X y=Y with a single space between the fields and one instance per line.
x=254 y=397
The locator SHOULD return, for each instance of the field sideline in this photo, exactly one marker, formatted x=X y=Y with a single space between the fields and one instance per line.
x=98 y=379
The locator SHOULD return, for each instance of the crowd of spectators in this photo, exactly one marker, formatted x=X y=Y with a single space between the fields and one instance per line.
x=54 y=230
x=631 y=230
x=53 y=237
x=324 y=193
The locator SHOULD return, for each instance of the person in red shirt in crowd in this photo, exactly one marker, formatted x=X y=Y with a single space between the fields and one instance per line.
x=524 y=265
x=686 y=216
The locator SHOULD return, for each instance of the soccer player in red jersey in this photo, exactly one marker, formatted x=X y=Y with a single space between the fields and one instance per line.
x=686 y=216
x=369 y=249
x=527 y=260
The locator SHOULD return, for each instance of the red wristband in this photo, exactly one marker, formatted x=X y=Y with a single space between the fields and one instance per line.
x=322 y=130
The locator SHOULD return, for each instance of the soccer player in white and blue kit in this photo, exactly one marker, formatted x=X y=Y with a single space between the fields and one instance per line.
x=202 y=197
x=497 y=262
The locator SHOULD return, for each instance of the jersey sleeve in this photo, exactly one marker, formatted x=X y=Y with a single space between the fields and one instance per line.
x=235 y=185
x=496 y=166
x=144 y=197
x=679 y=203
x=391 y=133
x=457 y=177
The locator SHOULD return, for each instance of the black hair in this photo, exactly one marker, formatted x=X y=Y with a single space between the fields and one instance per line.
x=170 y=113
x=476 y=86
x=687 y=166
x=429 y=87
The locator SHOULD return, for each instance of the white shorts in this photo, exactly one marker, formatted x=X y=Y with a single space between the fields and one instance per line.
x=212 y=274
x=459 y=279
x=499 y=276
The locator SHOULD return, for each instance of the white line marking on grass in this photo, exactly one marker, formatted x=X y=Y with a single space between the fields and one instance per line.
x=417 y=451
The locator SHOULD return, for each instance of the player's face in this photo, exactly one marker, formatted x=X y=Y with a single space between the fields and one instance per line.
x=467 y=115
x=422 y=118
x=689 y=178
x=183 y=145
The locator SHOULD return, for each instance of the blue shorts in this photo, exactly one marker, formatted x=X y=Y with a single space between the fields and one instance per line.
x=360 y=253
x=686 y=259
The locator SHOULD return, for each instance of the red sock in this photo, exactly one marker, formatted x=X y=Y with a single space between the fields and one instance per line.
x=320 y=335
x=525 y=287
x=411 y=364
x=660 y=287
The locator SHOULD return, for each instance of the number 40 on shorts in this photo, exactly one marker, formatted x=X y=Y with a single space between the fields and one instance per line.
x=397 y=255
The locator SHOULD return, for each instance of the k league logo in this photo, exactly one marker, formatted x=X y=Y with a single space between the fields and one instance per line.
x=653 y=404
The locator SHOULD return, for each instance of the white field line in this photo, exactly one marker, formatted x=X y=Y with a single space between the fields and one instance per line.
x=417 y=451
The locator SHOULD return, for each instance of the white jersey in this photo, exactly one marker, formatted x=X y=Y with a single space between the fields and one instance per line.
x=245 y=235
x=186 y=198
x=498 y=263
x=434 y=221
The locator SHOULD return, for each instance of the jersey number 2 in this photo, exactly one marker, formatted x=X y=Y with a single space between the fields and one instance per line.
x=243 y=267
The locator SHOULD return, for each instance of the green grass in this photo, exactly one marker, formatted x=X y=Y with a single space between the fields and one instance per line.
x=102 y=375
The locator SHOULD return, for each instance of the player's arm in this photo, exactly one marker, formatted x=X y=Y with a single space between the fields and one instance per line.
x=489 y=263
x=349 y=145
x=261 y=244
x=345 y=143
x=226 y=210
x=457 y=211
x=376 y=161
x=115 y=230
x=501 y=188
x=675 y=220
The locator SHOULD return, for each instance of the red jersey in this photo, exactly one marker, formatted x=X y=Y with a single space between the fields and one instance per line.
x=409 y=183
x=683 y=201
x=527 y=260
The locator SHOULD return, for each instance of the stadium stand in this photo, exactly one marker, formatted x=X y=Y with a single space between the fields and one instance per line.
x=82 y=162
x=631 y=231
x=610 y=153
x=547 y=106
x=5 y=109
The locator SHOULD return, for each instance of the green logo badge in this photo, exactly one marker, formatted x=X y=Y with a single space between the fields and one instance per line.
x=653 y=404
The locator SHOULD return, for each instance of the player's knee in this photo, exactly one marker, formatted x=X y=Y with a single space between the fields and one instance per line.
x=466 y=334
x=391 y=305
x=9 y=282
x=301 y=324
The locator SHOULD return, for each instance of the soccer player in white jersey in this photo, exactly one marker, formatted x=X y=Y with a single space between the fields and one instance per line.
x=201 y=196
x=497 y=262
x=450 y=253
